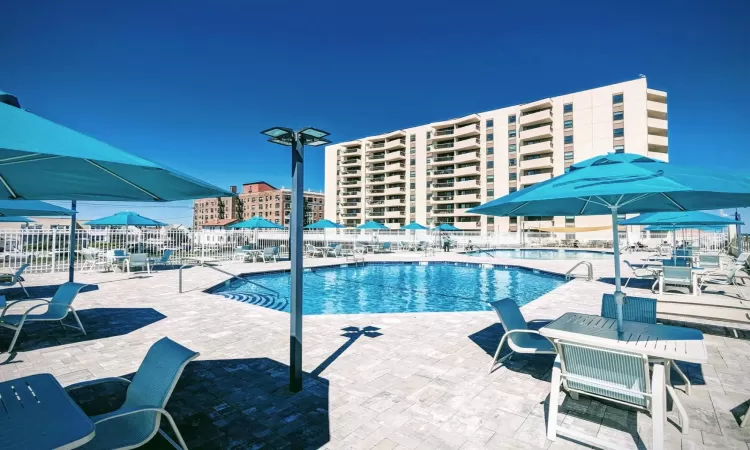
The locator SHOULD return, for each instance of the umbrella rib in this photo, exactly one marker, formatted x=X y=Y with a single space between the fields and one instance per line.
x=123 y=179
x=7 y=186
x=517 y=208
x=26 y=158
x=674 y=202
x=585 y=204
x=635 y=199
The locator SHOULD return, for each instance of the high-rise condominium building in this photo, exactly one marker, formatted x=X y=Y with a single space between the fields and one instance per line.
x=433 y=173
x=256 y=199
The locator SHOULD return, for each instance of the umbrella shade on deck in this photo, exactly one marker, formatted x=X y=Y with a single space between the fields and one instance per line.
x=323 y=224
x=124 y=219
x=255 y=223
x=15 y=219
x=372 y=225
x=32 y=208
x=40 y=160
x=624 y=183
x=446 y=227
x=414 y=226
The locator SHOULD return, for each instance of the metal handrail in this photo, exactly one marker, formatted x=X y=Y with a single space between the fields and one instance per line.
x=210 y=266
x=590 y=275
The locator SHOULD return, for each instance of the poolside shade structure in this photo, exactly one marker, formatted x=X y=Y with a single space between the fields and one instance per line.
x=323 y=224
x=684 y=227
x=15 y=219
x=32 y=208
x=624 y=183
x=446 y=227
x=414 y=226
x=372 y=225
x=255 y=223
x=125 y=219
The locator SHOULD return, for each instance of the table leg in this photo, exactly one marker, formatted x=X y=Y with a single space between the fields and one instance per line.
x=694 y=277
x=661 y=284
x=658 y=406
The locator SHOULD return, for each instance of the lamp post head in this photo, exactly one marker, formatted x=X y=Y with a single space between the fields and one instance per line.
x=306 y=136
x=313 y=137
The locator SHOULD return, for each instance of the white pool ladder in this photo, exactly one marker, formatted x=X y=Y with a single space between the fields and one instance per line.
x=589 y=276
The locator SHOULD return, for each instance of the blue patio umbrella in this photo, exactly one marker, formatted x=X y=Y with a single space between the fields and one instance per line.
x=323 y=224
x=124 y=219
x=255 y=223
x=624 y=183
x=684 y=227
x=15 y=219
x=446 y=227
x=372 y=225
x=32 y=208
x=414 y=226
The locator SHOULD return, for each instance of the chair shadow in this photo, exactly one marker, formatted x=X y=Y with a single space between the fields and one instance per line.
x=538 y=366
x=99 y=323
x=233 y=403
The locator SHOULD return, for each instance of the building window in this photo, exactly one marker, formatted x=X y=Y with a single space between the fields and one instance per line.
x=490 y=164
x=512 y=119
x=429 y=134
x=512 y=176
x=619 y=149
x=411 y=185
x=490 y=220
x=490 y=137
x=511 y=148
x=512 y=190
x=490 y=150
x=412 y=162
x=490 y=192
x=490 y=178
x=511 y=133
x=412 y=151
x=568 y=139
x=412 y=209
x=568 y=124
x=568 y=156
x=618 y=115
x=568 y=108
x=412 y=137
x=412 y=174
x=490 y=123
x=617 y=99
x=512 y=162
x=412 y=198
x=619 y=132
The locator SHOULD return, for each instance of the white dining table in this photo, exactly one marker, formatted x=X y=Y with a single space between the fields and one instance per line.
x=36 y=413
x=659 y=342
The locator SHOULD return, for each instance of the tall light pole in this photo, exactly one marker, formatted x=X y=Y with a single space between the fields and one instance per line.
x=297 y=140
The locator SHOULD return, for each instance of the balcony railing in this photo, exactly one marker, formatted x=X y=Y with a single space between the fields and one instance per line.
x=378 y=145
x=444 y=145
x=377 y=157
x=447 y=132
x=442 y=199
x=442 y=185
x=443 y=158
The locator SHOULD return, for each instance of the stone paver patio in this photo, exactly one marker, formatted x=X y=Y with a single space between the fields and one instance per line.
x=373 y=381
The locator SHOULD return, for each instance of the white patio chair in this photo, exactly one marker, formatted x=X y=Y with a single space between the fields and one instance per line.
x=520 y=338
x=726 y=277
x=311 y=250
x=139 y=260
x=675 y=276
x=270 y=254
x=642 y=274
x=93 y=259
x=619 y=377
x=15 y=278
x=139 y=418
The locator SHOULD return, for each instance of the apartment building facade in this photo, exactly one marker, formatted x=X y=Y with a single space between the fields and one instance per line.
x=255 y=199
x=434 y=173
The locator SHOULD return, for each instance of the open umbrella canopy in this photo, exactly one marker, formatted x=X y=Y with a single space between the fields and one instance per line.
x=123 y=219
x=446 y=227
x=372 y=225
x=33 y=208
x=323 y=224
x=414 y=226
x=40 y=159
x=255 y=223
x=15 y=219
x=680 y=219
x=685 y=227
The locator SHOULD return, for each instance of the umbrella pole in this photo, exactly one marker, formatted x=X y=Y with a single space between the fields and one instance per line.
x=72 y=249
x=619 y=296
x=674 y=244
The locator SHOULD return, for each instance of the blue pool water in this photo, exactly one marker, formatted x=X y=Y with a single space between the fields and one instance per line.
x=527 y=253
x=394 y=288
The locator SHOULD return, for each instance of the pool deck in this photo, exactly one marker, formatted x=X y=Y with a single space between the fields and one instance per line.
x=373 y=381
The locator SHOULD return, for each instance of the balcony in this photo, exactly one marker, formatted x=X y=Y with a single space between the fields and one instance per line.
x=442 y=159
x=443 y=147
x=395 y=213
x=657 y=126
x=380 y=190
x=467 y=157
x=657 y=143
x=657 y=110
x=395 y=166
x=532 y=179
x=376 y=169
x=467 y=144
x=445 y=173
x=442 y=199
x=394 y=191
x=350 y=214
x=352 y=151
x=351 y=162
x=537 y=117
x=376 y=213
x=533 y=149
x=443 y=212
x=351 y=193
x=396 y=143
x=376 y=146
x=351 y=183
x=468 y=225
x=447 y=186
x=468 y=184
x=395 y=179
x=539 y=104
x=537 y=163
x=442 y=134
x=545 y=131
x=467 y=198
x=395 y=156
x=467 y=130
x=350 y=171
x=376 y=157
x=463 y=171
x=394 y=202
x=349 y=204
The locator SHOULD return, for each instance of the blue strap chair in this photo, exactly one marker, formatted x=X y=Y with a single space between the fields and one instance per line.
x=518 y=335
x=137 y=420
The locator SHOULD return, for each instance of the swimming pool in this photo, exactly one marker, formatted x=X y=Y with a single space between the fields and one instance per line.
x=533 y=253
x=394 y=288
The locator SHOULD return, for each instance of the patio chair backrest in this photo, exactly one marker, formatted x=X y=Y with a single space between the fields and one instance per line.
x=138 y=259
x=634 y=309
x=678 y=274
x=743 y=258
x=386 y=245
x=63 y=298
x=276 y=251
x=19 y=272
x=166 y=255
x=511 y=318
x=269 y=252
x=309 y=248
x=118 y=252
x=603 y=373
x=709 y=260
x=156 y=378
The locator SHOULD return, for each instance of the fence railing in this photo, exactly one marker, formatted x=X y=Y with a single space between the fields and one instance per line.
x=48 y=250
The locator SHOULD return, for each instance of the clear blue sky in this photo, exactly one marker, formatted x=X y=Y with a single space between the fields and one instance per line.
x=190 y=84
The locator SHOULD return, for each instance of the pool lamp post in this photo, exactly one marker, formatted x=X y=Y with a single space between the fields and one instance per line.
x=297 y=140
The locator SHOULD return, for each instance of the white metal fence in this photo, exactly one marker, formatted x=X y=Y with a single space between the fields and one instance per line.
x=48 y=250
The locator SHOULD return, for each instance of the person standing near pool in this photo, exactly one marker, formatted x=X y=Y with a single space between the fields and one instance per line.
x=446 y=243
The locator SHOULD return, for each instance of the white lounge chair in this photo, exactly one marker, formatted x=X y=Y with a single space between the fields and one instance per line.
x=10 y=280
x=675 y=276
x=726 y=277
x=642 y=274
x=137 y=421
x=520 y=338
x=616 y=376
x=57 y=310
x=139 y=260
